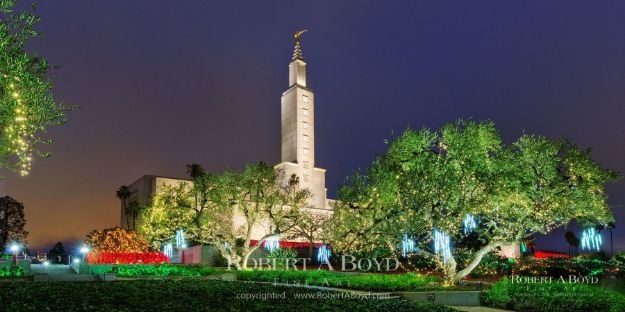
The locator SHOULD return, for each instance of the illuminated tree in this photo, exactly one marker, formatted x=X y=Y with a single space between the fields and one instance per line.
x=28 y=107
x=427 y=183
x=312 y=227
x=12 y=221
x=206 y=210
x=115 y=240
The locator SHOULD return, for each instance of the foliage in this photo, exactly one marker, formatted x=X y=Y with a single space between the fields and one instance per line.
x=163 y=270
x=492 y=264
x=281 y=256
x=431 y=180
x=12 y=271
x=28 y=107
x=361 y=281
x=554 y=296
x=58 y=254
x=116 y=240
x=313 y=227
x=96 y=257
x=12 y=221
x=578 y=266
x=206 y=209
x=187 y=295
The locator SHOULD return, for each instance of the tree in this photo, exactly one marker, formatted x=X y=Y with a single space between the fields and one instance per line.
x=428 y=183
x=116 y=240
x=570 y=239
x=208 y=208
x=195 y=170
x=28 y=107
x=611 y=225
x=312 y=227
x=124 y=193
x=12 y=221
x=58 y=254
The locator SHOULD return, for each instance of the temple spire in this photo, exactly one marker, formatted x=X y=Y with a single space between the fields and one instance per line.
x=297 y=52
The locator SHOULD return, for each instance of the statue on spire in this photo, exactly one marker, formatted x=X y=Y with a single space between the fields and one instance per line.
x=297 y=53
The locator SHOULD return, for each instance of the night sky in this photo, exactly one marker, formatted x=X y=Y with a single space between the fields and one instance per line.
x=165 y=83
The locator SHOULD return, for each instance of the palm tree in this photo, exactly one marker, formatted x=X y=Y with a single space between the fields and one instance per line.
x=570 y=239
x=133 y=211
x=123 y=193
x=195 y=170
x=611 y=225
x=575 y=244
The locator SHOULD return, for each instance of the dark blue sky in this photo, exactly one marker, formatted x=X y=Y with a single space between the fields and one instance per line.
x=166 y=83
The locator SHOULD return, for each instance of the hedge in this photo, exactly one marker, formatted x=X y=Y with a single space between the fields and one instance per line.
x=185 y=295
x=555 y=296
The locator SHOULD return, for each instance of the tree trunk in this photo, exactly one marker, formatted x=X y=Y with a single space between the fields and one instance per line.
x=611 y=244
x=310 y=249
x=476 y=261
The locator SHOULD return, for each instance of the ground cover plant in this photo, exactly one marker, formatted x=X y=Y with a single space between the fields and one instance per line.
x=12 y=271
x=162 y=270
x=553 y=296
x=361 y=281
x=187 y=295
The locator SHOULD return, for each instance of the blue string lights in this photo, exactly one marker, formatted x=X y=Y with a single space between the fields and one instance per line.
x=407 y=245
x=180 y=241
x=469 y=223
x=591 y=239
x=168 y=250
x=272 y=243
x=323 y=254
x=442 y=245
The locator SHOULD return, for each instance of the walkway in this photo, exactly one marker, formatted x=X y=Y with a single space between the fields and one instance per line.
x=61 y=272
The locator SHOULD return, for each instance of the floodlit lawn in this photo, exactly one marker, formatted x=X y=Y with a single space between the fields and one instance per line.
x=185 y=295
x=553 y=297
x=362 y=281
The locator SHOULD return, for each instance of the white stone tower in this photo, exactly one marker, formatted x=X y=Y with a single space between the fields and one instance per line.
x=298 y=131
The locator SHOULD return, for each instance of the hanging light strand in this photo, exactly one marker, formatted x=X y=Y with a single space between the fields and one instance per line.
x=442 y=245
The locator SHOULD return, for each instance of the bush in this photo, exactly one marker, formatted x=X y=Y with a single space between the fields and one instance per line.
x=281 y=256
x=103 y=257
x=363 y=281
x=187 y=295
x=12 y=271
x=163 y=270
x=553 y=296
x=116 y=240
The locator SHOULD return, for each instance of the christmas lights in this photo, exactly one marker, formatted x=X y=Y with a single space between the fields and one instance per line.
x=272 y=243
x=180 y=242
x=323 y=254
x=591 y=239
x=442 y=245
x=168 y=250
x=469 y=224
x=407 y=245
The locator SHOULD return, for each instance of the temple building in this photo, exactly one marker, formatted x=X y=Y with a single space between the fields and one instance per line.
x=297 y=149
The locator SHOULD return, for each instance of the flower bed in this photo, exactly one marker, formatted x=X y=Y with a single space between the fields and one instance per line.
x=188 y=295
x=104 y=257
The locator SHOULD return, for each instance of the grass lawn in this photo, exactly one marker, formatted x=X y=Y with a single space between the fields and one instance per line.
x=186 y=295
